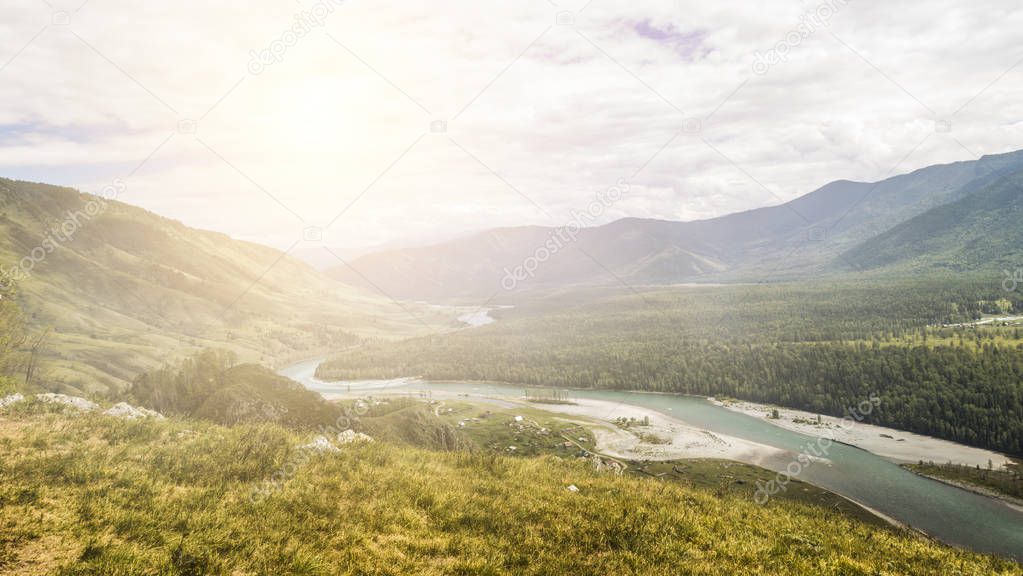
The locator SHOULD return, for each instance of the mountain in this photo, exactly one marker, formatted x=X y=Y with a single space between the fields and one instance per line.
x=125 y=290
x=796 y=238
x=980 y=232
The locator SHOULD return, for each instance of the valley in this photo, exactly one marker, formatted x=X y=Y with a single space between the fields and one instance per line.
x=488 y=288
x=807 y=390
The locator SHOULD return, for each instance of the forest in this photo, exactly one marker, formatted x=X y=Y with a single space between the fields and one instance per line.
x=817 y=348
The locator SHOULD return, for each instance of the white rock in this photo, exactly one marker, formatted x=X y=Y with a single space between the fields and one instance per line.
x=12 y=399
x=351 y=436
x=320 y=444
x=518 y=418
x=125 y=410
x=72 y=401
x=573 y=488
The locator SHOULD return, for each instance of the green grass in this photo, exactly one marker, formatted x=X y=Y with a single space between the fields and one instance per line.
x=1007 y=482
x=88 y=494
x=496 y=430
x=738 y=479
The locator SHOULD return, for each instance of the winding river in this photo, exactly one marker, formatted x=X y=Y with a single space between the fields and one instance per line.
x=947 y=513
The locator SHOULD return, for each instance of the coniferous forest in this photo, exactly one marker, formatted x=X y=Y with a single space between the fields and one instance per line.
x=822 y=349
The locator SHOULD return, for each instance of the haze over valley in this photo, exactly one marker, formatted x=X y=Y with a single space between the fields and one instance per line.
x=594 y=287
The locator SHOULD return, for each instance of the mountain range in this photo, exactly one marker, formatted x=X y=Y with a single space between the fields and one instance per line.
x=123 y=291
x=836 y=228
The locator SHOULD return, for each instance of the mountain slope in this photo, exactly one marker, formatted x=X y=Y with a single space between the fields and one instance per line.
x=980 y=232
x=125 y=290
x=791 y=239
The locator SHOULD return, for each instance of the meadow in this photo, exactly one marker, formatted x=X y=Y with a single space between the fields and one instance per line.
x=84 y=494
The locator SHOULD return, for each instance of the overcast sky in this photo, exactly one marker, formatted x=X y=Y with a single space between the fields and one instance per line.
x=263 y=118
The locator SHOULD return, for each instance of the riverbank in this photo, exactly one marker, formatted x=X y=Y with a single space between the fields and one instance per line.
x=1010 y=501
x=944 y=512
x=895 y=445
x=652 y=435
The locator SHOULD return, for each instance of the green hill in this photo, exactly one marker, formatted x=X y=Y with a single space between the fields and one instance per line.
x=981 y=232
x=126 y=290
x=94 y=495
x=211 y=385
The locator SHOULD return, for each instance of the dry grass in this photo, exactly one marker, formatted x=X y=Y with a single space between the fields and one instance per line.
x=96 y=495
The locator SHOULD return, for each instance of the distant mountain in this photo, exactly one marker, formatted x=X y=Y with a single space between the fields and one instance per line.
x=125 y=290
x=799 y=237
x=981 y=231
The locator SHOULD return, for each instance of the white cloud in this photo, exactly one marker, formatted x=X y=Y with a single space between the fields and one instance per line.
x=536 y=111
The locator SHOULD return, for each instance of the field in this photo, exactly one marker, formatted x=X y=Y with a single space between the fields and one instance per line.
x=91 y=494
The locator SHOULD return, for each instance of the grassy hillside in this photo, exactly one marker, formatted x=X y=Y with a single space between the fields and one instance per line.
x=125 y=290
x=88 y=494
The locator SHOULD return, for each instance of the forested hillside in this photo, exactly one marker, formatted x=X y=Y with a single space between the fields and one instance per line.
x=982 y=231
x=212 y=385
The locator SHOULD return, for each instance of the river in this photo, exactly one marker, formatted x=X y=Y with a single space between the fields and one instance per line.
x=947 y=513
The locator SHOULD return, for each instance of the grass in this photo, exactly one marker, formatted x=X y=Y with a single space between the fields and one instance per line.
x=89 y=494
x=499 y=430
x=1008 y=482
x=738 y=479
x=496 y=429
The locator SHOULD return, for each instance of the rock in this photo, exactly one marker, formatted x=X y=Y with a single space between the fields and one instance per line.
x=125 y=410
x=12 y=399
x=72 y=401
x=320 y=444
x=572 y=488
x=351 y=437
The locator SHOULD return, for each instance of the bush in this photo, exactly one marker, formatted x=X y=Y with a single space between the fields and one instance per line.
x=7 y=386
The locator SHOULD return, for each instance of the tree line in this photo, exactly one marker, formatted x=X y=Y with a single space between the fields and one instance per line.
x=818 y=350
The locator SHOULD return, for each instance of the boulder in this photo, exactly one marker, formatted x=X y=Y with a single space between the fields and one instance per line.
x=12 y=399
x=320 y=444
x=351 y=437
x=71 y=401
x=125 y=410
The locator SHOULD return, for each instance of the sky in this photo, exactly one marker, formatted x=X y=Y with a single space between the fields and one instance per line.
x=361 y=124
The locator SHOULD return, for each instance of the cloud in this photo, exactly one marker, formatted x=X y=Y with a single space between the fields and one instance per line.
x=541 y=111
